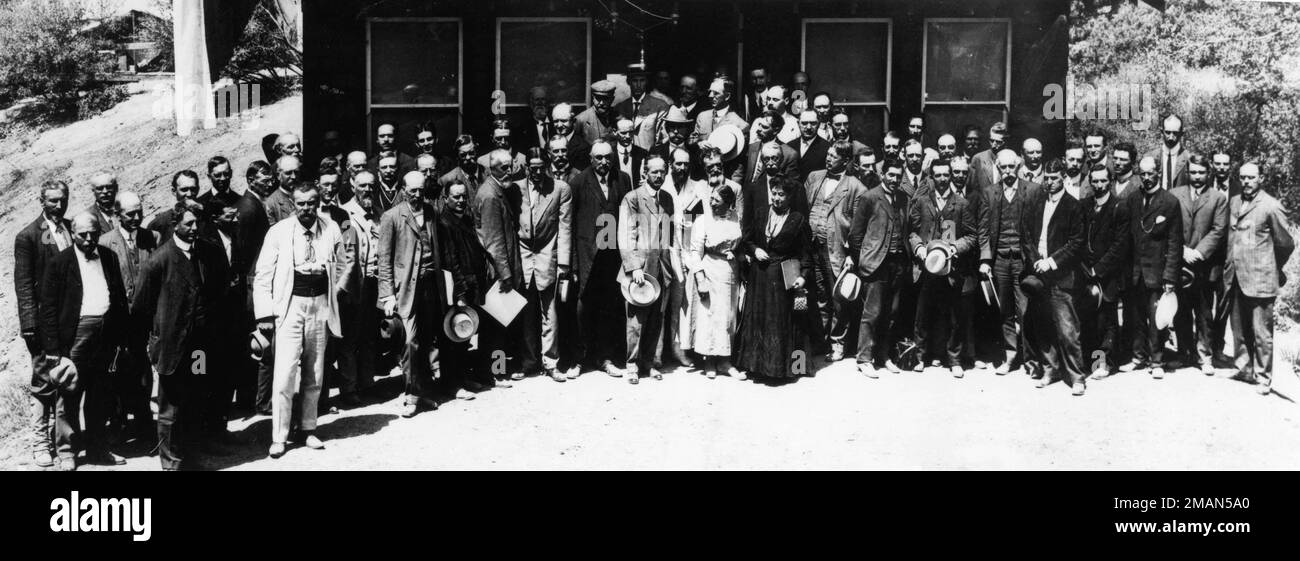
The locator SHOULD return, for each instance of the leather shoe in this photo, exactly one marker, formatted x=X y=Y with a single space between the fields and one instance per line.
x=958 y=372
x=277 y=449
x=66 y=464
x=1079 y=388
x=633 y=378
x=612 y=370
x=556 y=375
x=890 y=366
x=1043 y=381
x=42 y=458
x=656 y=374
x=1157 y=373
x=1003 y=369
x=104 y=458
x=313 y=442
x=1262 y=389
x=573 y=372
x=1207 y=369
x=868 y=370
x=409 y=408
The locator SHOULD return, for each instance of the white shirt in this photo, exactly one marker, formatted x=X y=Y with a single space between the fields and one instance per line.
x=182 y=245
x=687 y=108
x=941 y=201
x=625 y=167
x=94 y=287
x=64 y=241
x=604 y=184
x=1102 y=200
x=319 y=252
x=1072 y=185
x=1049 y=208
x=828 y=186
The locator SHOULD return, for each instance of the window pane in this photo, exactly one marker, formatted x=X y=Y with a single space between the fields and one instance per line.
x=966 y=61
x=414 y=62
x=867 y=125
x=408 y=122
x=544 y=53
x=848 y=59
x=952 y=119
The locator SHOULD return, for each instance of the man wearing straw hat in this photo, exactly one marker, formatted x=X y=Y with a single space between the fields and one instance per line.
x=645 y=240
x=943 y=235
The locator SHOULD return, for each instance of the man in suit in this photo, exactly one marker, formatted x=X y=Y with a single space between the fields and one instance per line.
x=877 y=253
x=386 y=141
x=941 y=214
x=279 y=203
x=231 y=370
x=577 y=149
x=501 y=141
x=359 y=352
x=915 y=179
x=1171 y=157
x=628 y=155
x=496 y=208
x=288 y=144
x=178 y=297
x=597 y=121
x=104 y=186
x=537 y=130
x=300 y=272
x=644 y=244
x=1259 y=245
x=1106 y=268
x=786 y=129
x=891 y=148
x=558 y=165
x=810 y=147
x=597 y=195
x=841 y=130
x=831 y=195
x=1205 y=229
x=252 y=227
x=1157 y=229
x=132 y=246
x=1052 y=240
x=426 y=144
x=749 y=167
x=916 y=132
x=1223 y=180
x=946 y=147
x=825 y=108
x=971 y=142
x=1124 y=182
x=1095 y=149
x=1076 y=178
x=220 y=195
x=1003 y=261
x=1032 y=169
x=984 y=165
x=688 y=97
x=690 y=198
x=34 y=247
x=642 y=109
x=775 y=162
x=969 y=313
x=463 y=256
x=679 y=126
x=82 y=317
x=545 y=232
x=467 y=171
x=185 y=186
x=756 y=101
x=721 y=112
x=411 y=288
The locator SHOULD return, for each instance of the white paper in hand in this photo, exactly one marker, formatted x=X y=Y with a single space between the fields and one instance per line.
x=503 y=306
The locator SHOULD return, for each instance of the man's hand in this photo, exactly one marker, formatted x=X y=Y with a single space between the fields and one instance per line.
x=1041 y=266
x=1169 y=288
x=638 y=276
x=798 y=283
x=848 y=262
x=920 y=252
x=761 y=255
x=504 y=286
x=460 y=303
x=986 y=270
x=266 y=326
x=309 y=268
x=390 y=307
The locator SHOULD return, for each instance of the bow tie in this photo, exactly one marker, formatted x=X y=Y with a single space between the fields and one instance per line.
x=834 y=177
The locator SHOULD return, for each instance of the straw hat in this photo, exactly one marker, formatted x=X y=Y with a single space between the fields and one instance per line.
x=258 y=345
x=938 y=258
x=641 y=295
x=729 y=140
x=848 y=287
x=460 y=324
x=1166 y=309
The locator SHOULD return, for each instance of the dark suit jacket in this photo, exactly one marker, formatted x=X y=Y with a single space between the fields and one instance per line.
x=1065 y=236
x=1180 y=164
x=405 y=163
x=594 y=218
x=61 y=294
x=984 y=169
x=252 y=226
x=638 y=156
x=1205 y=229
x=279 y=205
x=1231 y=189
x=34 y=247
x=167 y=294
x=1106 y=244
x=162 y=223
x=524 y=136
x=496 y=206
x=665 y=150
x=925 y=224
x=743 y=172
x=979 y=207
x=579 y=152
x=131 y=256
x=213 y=202
x=812 y=160
x=873 y=224
x=107 y=221
x=1157 y=239
x=997 y=201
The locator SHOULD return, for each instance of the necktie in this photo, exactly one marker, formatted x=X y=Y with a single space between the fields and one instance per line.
x=310 y=253
x=1009 y=192
x=636 y=106
x=1165 y=179
x=625 y=157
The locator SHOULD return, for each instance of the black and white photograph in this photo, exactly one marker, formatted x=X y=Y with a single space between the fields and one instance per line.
x=649 y=235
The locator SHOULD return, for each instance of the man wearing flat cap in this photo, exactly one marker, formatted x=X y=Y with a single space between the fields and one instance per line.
x=598 y=120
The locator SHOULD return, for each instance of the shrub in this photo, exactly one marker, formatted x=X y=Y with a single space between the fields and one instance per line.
x=43 y=55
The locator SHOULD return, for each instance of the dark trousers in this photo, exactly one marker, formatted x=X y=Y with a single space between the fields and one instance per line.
x=359 y=350
x=672 y=335
x=132 y=385
x=1100 y=332
x=1008 y=269
x=1219 y=321
x=1131 y=330
x=938 y=335
x=836 y=317
x=601 y=313
x=1252 y=328
x=217 y=387
x=421 y=353
x=968 y=305
x=91 y=356
x=1052 y=335
x=55 y=414
x=177 y=416
x=1149 y=342
x=645 y=326
x=880 y=291
x=1193 y=322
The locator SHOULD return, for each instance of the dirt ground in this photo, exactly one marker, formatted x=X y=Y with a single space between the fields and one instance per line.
x=836 y=420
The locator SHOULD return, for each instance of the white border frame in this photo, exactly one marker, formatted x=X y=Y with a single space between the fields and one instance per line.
x=1004 y=103
x=460 y=73
x=886 y=105
x=497 y=84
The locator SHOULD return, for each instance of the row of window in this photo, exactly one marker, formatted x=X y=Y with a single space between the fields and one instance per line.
x=416 y=64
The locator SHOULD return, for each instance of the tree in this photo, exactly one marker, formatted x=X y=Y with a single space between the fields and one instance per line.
x=43 y=55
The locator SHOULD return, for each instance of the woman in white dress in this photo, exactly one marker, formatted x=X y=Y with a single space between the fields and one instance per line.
x=712 y=283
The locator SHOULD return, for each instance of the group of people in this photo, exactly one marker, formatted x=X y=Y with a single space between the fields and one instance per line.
x=624 y=238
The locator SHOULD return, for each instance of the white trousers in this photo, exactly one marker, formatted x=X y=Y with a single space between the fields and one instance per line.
x=299 y=342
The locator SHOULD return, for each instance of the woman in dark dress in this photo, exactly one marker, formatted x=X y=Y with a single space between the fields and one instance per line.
x=771 y=342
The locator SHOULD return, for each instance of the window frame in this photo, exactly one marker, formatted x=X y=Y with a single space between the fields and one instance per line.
x=460 y=71
x=586 y=101
x=1004 y=104
x=885 y=105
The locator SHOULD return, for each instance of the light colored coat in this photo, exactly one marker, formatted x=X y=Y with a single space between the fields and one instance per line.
x=1259 y=245
x=545 y=232
x=273 y=283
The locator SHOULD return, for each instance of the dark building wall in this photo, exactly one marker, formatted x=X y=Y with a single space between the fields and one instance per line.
x=705 y=40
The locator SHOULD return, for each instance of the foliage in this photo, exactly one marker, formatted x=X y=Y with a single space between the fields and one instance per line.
x=1230 y=69
x=43 y=55
x=268 y=54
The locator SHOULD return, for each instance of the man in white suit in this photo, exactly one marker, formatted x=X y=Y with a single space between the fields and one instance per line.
x=545 y=220
x=295 y=297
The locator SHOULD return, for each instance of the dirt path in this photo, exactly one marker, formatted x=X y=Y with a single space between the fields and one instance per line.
x=837 y=420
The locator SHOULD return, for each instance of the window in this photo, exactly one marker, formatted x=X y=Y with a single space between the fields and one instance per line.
x=967 y=73
x=414 y=71
x=551 y=52
x=851 y=59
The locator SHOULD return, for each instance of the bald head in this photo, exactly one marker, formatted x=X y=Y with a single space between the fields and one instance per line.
x=356 y=161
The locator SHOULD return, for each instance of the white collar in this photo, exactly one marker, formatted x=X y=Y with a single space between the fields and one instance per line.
x=1055 y=198
x=182 y=244
x=1103 y=199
